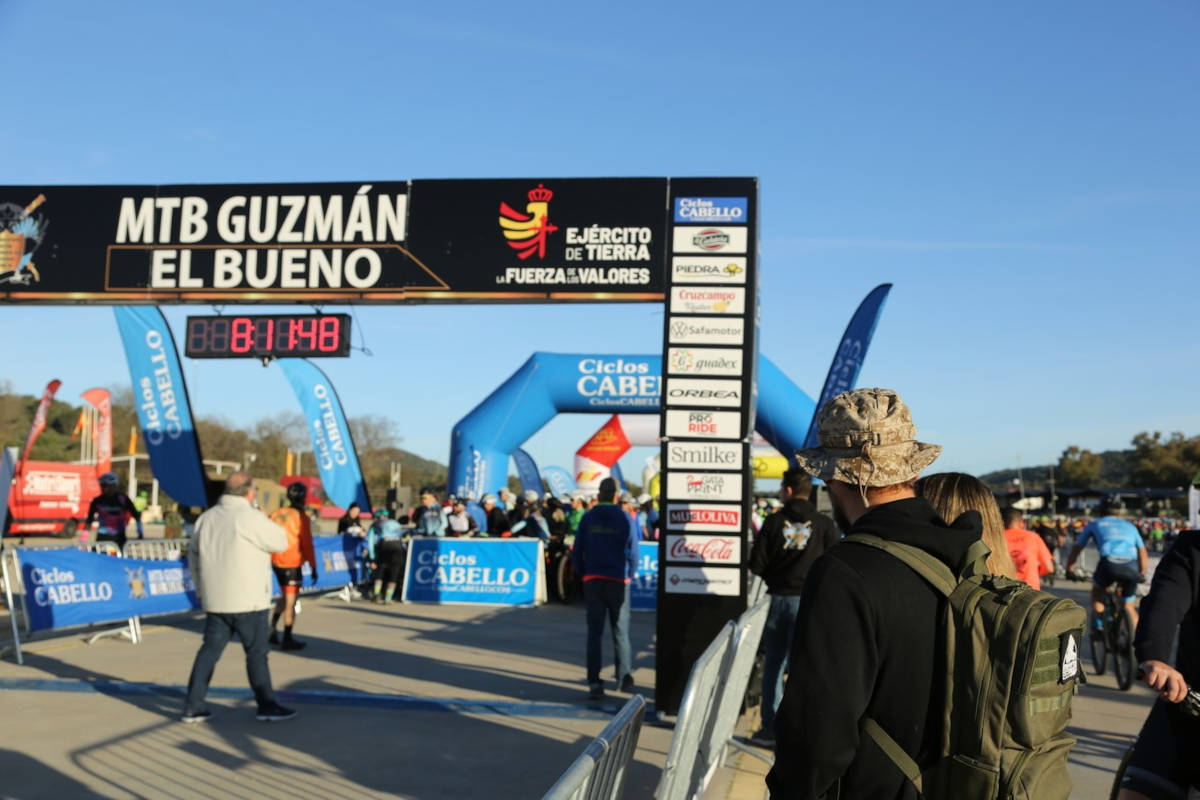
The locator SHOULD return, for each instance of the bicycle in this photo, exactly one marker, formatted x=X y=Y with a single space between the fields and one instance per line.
x=1190 y=706
x=1114 y=636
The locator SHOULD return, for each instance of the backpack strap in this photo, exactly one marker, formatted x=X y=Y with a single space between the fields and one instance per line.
x=976 y=559
x=893 y=751
x=929 y=567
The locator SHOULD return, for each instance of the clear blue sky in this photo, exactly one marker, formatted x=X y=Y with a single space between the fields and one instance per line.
x=1026 y=174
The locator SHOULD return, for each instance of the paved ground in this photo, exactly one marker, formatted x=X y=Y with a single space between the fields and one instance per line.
x=410 y=701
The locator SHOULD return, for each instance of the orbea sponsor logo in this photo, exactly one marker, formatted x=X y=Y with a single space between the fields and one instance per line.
x=703 y=361
x=703 y=300
x=689 y=392
x=704 y=486
x=704 y=424
x=724 y=581
x=708 y=269
x=704 y=455
x=704 y=330
x=703 y=517
x=709 y=239
x=711 y=209
x=704 y=549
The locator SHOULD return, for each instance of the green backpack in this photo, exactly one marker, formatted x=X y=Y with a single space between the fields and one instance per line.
x=1013 y=662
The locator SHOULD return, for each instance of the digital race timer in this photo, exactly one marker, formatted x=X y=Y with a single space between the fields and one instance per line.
x=268 y=336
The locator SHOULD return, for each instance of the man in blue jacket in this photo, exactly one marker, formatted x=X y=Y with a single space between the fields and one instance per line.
x=605 y=557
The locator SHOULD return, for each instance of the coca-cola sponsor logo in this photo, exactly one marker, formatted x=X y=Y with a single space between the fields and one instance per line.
x=724 y=581
x=704 y=549
x=704 y=300
x=704 y=424
x=704 y=518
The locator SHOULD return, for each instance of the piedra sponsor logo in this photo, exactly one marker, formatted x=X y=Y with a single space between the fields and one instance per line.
x=708 y=269
x=458 y=572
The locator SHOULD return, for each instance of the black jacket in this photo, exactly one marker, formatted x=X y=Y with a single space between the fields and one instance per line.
x=790 y=541
x=1172 y=602
x=867 y=644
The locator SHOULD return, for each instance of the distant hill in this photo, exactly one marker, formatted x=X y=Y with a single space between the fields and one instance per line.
x=1114 y=472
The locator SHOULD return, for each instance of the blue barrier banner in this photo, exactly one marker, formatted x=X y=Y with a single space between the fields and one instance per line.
x=559 y=480
x=527 y=472
x=333 y=448
x=643 y=590
x=848 y=360
x=495 y=572
x=339 y=561
x=162 y=403
x=69 y=587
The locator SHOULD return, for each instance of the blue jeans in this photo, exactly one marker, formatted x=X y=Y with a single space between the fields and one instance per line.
x=777 y=645
x=611 y=599
x=251 y=628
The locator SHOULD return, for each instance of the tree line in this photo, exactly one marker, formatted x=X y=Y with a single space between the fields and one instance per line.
x=1153 y=461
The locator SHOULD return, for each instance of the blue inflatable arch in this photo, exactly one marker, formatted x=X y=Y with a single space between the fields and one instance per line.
x=549 y=384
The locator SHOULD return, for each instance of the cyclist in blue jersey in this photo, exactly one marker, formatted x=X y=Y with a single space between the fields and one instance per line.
x=1120 y=545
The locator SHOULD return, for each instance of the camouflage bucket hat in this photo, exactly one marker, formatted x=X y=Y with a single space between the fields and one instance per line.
x=867 y=438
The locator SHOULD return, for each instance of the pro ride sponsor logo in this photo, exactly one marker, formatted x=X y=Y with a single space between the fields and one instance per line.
x=704 y=361
x=704 y=330
x=724 y=581
x=704 y=486
x=709 y=239
x=708 y=269
x=704 y=455
x=689 y=392
x=704 y=424
x=704 y=549
x=711 y=210
x=704 y=518
x=705 y=300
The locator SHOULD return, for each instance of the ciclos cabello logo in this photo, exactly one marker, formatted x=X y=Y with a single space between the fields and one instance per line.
x=526 y=233
x=20 y=235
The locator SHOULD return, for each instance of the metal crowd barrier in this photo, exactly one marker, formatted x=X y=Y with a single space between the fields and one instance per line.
x=755 y=590
x=697 y=704
x=156 y=549
x=600 y=771
x=712 y=703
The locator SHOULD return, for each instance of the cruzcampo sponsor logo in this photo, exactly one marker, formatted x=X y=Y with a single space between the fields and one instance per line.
x=708 y=300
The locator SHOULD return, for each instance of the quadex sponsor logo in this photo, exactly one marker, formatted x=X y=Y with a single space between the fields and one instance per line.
x=704 y=424
x=704 y=486
x=704 y=517
x=703 y=330
x=708 y=269
x=703 y=300
x=703 y=361
x=724 y=581
x=688 y=392
x=704 y=549
x=709 y=239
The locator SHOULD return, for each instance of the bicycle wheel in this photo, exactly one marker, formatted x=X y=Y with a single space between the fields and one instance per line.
x=1124 y=664
x=1116 y=786
x=1098 y=640
x=566 y=579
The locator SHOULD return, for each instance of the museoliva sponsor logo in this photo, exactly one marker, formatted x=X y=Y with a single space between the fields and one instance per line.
x=705 y=330
x=709 y=239
x=704 y=486
x=708 y=269
x=704 y=549
x=708 y=300
x=704 y=518
x=704 y=424
x=724 y=581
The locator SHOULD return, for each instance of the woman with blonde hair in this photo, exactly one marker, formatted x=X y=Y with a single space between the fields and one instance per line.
x=953 y=493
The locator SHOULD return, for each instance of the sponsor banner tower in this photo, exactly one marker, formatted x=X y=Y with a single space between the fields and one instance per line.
x=709 y=359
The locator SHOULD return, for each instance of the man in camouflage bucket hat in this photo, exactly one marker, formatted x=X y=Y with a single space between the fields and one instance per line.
x=866 y=642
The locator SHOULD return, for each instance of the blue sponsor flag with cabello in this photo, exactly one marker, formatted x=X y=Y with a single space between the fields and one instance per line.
x=643 y=589
x=848 y=360
x=163 y=409
x=527 y=472
x=560 y=481
x=333 y=448
x=492 y=572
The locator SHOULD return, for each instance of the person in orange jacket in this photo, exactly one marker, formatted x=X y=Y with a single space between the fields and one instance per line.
x=1029 y=553
x=288 y=565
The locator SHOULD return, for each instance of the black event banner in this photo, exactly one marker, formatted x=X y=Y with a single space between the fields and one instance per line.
x=421 y=241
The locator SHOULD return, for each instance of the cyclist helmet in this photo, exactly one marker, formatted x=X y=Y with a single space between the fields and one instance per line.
x=297 y=491
x=109 y=479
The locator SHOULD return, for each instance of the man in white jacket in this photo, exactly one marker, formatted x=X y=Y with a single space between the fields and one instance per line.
x=229 y=557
